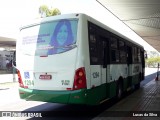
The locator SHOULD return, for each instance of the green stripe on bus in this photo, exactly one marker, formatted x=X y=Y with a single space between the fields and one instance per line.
x=77 y=96
x=92 y=96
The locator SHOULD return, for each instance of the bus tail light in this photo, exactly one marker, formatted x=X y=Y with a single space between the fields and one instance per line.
x=79 y=79
x=20 y=79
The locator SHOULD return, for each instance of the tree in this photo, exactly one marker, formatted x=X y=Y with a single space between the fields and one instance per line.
x=46 y=12
x=153 y=59
x=152 y=62
x=55 y=11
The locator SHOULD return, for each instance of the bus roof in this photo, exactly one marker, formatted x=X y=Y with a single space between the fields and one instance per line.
x=113 y=31
x=48 y=19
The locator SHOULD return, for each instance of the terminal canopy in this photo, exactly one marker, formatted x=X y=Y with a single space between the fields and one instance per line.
x=142 y=16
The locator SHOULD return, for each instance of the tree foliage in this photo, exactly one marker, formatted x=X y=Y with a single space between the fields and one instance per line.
x=53 y=12
x=153 y=59
x=46 y=12
x=152 y=62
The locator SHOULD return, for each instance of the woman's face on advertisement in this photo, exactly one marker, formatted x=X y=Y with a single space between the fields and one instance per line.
x=62 y=35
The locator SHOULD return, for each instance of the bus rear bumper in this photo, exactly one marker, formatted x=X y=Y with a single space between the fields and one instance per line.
x=66 y=97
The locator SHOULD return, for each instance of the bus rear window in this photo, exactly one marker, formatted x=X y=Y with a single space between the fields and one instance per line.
x=49 y=38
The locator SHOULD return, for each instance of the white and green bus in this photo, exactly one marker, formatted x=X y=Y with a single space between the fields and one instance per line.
x=74 y=59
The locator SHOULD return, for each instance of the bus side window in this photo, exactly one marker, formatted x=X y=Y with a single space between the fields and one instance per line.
x=129 y=54
x=114 y=55
x=139 y=55
x=123 y=58
x=122 y=49
x=93 y=47
x=135 y=54
x=114 y=50
x=114 y=43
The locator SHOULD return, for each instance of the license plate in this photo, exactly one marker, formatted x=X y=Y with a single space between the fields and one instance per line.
x=45 y=77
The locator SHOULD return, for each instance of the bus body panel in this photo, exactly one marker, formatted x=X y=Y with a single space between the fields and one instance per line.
x=67 y=97
x=117 y=71
x=95 y=75
x=83 y=59
x=53 y=76
x=61 y=73
x=44 y=63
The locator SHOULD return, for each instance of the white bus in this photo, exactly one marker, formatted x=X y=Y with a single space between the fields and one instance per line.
x=74 y=59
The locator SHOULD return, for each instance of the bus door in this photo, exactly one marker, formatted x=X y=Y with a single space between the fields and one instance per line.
x=99 y=70
x=104 y=59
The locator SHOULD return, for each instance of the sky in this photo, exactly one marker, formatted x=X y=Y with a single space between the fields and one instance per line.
x=13 y=13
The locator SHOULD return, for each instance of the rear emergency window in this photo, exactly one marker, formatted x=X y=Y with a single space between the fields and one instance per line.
x=49 y=38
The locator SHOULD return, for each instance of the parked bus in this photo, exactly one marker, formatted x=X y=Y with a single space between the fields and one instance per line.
x=74 y=59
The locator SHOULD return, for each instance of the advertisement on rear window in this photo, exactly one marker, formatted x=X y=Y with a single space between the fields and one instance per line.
x=49 y=38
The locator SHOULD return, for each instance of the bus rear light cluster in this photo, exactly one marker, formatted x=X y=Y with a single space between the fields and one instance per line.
x=20 y=79
x=79 y=79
